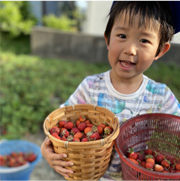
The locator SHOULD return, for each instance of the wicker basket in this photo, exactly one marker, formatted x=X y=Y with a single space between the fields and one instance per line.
x=157 y=131
x=91 y=158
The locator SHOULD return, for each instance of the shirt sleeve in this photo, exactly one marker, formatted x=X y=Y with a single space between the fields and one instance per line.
x=171 y=104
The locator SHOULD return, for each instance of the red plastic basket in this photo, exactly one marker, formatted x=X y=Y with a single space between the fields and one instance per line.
x=158 y=131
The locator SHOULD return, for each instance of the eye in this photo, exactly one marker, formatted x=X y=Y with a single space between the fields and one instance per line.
x=144 y=41
x=122 y=36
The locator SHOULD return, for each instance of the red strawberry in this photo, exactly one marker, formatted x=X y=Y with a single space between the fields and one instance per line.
x=159 y=158
x=132 y=154
x=108 y=130
x=165 y=163
x=64 y=132
x=62 y=123
x=69 y=125
x=77 y=123
x=102 y=125
x=74 y=130
x=87 y=122
x=87 y=129
x=158 y=168
x=82 y=118
x=82 y=126
x=31 y=157
x=95 y=136
x=100 y=129
x=64 y=138
x=78 y=135
x=56 y=135
x=143 y=164
x=89 y=125
x=177 y=166
x=149 y=165
x=76 y=140
x=150 y=159
x=84 y=140
x=54 y=129
x=140 y=156
x=134 y=161
x=148 y=151
x=70 y=138
x=12 y=162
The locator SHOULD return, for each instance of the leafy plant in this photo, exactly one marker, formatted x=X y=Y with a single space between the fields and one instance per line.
x=16 y=18
x=61 y=23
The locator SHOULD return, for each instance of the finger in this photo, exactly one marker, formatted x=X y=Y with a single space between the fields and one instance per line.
x=62 y=163
x=57 y=156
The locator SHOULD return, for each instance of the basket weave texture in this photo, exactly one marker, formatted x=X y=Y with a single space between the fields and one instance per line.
x=157 y=131
x=91 y=158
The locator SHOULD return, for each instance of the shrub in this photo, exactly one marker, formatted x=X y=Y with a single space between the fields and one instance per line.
x=16 y=18
x=61 y=23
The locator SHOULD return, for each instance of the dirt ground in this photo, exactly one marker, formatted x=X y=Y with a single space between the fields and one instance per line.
x=42 y=170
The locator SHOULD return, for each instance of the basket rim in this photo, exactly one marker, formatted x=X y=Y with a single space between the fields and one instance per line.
x=92 y=144
x=137 y=167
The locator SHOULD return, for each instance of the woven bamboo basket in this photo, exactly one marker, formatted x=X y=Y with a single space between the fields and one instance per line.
x=91 y=158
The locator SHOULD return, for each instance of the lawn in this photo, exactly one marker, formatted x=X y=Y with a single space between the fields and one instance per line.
x=32 y=87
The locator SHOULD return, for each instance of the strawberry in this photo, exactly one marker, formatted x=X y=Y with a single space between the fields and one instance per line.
x=148 y=151
x=158 y=168
x=78 y=135
x=69 y=125
x=149 y=158
x=82 y=126
x=102 y=125
x=159 y=158
x=61 y=124
x=31 y=157
x=54 y=129
x=149 y=165
x=87 y=122
x=77 y=123
x=56 y=135
x=100 y=129
x=107 y=130
x=76 y=140
x=87 y=129
x=140 y=156
x=134 y=161
x=12 y=162
x=95 y=136
x=132 y=154
x=84 y=140
x=64 y=132
x=70 y=138
x=82 y=118
x=74 y=130
x=177 y=166
x=143 y=164
x=63 y=138
x=89 y=125
x=165 y=163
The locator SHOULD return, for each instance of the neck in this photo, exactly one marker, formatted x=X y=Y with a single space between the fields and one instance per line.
x=124 y=85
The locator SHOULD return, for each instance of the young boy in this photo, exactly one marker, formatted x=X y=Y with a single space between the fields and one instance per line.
x=137 y=34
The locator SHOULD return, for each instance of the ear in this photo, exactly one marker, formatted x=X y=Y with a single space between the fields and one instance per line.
x=164 y=49
x=106 y=39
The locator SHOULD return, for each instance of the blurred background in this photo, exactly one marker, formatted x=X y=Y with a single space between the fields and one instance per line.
x=47 y=48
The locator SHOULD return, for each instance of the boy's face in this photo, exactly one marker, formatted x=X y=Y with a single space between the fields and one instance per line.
x=132 y=49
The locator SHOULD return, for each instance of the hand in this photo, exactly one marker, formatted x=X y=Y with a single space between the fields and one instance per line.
x=55 y=159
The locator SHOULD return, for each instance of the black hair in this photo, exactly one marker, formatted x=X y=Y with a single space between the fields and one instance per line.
x=148 y=10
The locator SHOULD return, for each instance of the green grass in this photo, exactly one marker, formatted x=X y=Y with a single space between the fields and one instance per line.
x=32 y=87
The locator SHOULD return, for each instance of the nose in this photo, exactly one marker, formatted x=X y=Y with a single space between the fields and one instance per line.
x=130 y=49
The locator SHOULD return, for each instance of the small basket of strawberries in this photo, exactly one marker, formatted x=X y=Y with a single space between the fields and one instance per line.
x=149 y=147
x=86 y=133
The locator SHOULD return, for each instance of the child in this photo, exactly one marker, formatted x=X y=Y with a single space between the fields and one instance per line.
x=137 y=34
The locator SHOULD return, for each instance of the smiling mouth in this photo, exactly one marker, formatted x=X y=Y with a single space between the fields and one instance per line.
x=127 y=64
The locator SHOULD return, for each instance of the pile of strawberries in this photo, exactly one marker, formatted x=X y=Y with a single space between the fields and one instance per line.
x=154 y=160
x=16 y=159
x=82 y=130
